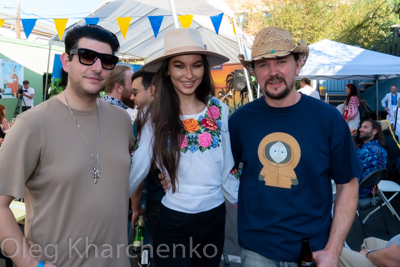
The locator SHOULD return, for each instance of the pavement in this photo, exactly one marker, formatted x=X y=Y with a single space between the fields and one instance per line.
x=353 y=240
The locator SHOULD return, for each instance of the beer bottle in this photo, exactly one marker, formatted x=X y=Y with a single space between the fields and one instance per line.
x=139 y=235
x=306 y=257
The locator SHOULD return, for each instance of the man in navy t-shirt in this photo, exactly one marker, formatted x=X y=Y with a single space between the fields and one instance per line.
x=291 y=146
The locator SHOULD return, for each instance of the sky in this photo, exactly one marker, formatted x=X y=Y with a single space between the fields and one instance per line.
x=46 y=10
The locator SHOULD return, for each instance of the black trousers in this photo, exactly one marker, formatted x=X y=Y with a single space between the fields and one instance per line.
x=190 y=240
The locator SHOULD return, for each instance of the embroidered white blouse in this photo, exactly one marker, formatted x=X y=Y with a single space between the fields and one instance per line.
x=204 y=172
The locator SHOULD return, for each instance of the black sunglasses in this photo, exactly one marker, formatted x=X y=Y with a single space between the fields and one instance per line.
x=88 y=57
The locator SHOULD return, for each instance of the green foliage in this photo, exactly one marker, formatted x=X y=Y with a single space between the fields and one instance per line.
x=354 y=22
x=56 y=87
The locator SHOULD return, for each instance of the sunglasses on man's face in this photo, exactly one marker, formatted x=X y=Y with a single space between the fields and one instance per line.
x=88 y=57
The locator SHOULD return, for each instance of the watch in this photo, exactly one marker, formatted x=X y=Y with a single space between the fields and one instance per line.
x=368 y=251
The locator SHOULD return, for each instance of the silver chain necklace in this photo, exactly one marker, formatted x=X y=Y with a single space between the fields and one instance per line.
x=96 y=169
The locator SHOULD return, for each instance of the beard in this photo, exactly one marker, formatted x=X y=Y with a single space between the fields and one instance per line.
x=281 y=95
x=366 y=136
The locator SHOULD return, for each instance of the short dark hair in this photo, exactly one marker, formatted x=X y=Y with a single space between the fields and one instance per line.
x=90 y=31
x=25 y=82
x=394 y=85
x=147 y=77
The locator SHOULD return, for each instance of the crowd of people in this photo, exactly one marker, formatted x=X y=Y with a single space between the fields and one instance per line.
x=186 y=149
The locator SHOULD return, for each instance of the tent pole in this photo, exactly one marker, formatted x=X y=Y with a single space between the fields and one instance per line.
x=246 y=74
x=47 y=72
x=174 y=15
x=376 y=84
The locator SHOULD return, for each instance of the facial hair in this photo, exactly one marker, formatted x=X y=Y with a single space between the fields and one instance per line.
x=280 y=95
x=366 y=136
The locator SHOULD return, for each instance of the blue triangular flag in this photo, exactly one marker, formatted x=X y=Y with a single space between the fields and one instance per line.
x=216 y=21
x=92 y=21
x=155 y=22
x=28 y=25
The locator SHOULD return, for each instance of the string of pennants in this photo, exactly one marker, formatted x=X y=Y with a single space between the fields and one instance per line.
x=123 y=22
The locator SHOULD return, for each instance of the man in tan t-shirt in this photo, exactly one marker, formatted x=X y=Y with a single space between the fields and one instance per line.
x=69 y=157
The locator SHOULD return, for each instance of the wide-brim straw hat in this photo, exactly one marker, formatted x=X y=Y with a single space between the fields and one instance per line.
x=183 y=41
x=274 y=42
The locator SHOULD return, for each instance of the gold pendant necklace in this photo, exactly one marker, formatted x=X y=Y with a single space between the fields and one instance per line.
x=96 y=169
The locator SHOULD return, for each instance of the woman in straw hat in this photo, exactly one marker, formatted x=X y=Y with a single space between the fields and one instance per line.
x=184 y=132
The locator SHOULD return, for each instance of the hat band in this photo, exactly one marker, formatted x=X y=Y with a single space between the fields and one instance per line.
x=185 y=49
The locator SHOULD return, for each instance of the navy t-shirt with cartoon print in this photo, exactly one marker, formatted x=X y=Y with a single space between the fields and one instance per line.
x=290 y=155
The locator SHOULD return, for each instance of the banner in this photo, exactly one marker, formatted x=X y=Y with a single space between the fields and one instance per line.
x=11 y=77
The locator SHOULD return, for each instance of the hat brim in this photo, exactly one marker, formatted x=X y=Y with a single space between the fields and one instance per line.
x=301 y=48
x=212 y=58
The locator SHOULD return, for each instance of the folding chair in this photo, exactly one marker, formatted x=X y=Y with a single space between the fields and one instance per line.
x=371 y=179
x=385 y=186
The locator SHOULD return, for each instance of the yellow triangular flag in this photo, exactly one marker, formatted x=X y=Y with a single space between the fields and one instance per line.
x=1 y=22
x=60 y=26
x=124 y=24
x=233 y=25
x=185 y=20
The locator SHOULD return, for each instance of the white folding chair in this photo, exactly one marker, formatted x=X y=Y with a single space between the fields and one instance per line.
x=387 y=186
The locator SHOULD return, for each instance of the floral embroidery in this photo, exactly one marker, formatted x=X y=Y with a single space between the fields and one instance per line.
x=190 y=125
x=204 y=133
x=236 y=172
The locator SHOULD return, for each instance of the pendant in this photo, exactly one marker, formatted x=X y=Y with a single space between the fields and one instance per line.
x=96 y=174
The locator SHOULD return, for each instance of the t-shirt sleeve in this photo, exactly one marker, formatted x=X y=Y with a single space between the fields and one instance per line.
x=342 y=153
x=19 y=156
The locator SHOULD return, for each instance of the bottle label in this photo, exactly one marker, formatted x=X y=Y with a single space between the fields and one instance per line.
x=136 y=243
x=145 y=257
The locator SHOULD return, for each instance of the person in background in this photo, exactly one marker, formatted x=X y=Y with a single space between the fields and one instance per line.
x=4 y=125
x=27 y=95
x=142 y=95
x=374 y=252
x=305 y=88
x=184 y=133
x=72 y=167
x=390 y=101
x=118 y=89
x=372 y=155
x=392 y=148
x=349 y=108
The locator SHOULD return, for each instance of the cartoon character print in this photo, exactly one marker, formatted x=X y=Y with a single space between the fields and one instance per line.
x=279 y=153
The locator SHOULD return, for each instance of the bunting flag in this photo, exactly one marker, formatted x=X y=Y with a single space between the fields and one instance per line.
x=1 y=22
x=28 y=25
x=233 y=25
x=155 y=22
x=60 y=26
x=186 y=20
x=124 y=24
x=216 y=21
x=93 y=21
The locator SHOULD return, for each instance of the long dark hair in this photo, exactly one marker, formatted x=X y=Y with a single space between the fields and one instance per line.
x=353 y=92
x=379 y=133
x=164 y=112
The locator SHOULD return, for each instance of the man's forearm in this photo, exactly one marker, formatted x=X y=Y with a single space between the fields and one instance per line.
x=344 y=212
x=11 y=238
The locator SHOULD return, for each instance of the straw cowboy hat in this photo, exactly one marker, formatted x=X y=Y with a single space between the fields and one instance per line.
x=273 y=42
x=183 y=41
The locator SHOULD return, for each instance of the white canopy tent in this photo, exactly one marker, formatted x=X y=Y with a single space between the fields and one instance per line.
x=329 y=60
x=140 y=41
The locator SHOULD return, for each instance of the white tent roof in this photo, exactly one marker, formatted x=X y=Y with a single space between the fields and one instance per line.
x=140 y=41
x=332 y=60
